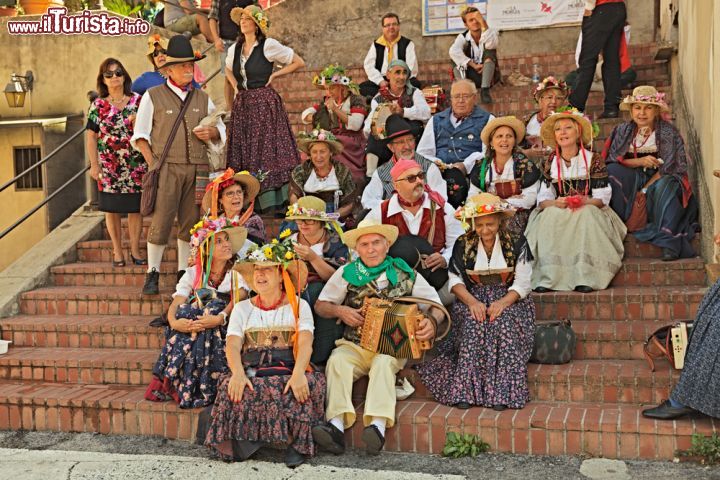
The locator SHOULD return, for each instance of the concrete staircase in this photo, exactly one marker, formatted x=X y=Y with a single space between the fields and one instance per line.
x=82 y=349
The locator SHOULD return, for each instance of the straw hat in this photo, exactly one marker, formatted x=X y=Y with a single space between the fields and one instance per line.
x=309 y=208
x=547 y=129
x=306 y=140
x=249 y=184
x=297 y=269
x=335 y=74
x=508 y=121
x=156 y=40
x=646 y=95
x=207 y=228
x=484 y=204
x=368 y=226
x=256 y=13
x=548 y=83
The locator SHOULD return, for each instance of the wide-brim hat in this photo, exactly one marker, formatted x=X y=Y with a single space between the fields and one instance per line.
x=646 y=95
x=305 y=142
x=507 y=121
x=308 y=208
x=154 y=40
x=549 y=83
x=249 y=184
x=396 y=126
x=256 y=13
x=368 y=226
x=484 y=204
x=179 y=50
x=297 y=270
x=237 y=236
x=547 y=129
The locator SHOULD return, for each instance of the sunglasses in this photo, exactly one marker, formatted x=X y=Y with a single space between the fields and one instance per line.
x=413 y=178
x=159 y=52
x=110 y=73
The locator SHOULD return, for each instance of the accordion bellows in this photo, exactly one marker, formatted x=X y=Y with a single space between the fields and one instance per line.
x=390 y=327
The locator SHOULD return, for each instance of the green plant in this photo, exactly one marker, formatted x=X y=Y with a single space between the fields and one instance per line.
x=122 y=7
x=467 y=445
x=707 y=448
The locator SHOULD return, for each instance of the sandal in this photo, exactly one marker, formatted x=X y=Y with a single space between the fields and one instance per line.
x=119 y=263
x=138 y=261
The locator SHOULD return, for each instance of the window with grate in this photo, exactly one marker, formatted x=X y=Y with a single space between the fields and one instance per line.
x=26 y=157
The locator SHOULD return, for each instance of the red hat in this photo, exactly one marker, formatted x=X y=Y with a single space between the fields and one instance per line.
x=402 y=166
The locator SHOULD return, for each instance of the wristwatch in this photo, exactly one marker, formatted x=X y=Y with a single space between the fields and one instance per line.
x=224 y=315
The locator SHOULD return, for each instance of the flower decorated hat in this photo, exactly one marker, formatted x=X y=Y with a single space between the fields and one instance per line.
x=256 y=13
x=202 y=244
x=549 y=83
x=588 y=130
x=481 y=205
x=306 y=140
x=508 y=121
x=213 y=190
x=647 y=95
x=335 y=74
x=155 y=40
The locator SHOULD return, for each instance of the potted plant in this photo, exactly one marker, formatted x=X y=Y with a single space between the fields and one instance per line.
x=8 y=8
x=38 y=7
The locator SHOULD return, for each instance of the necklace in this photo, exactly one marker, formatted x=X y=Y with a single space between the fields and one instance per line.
x=115 y=100
x=643 y=132
x=322 y=178
x=306 y=241
x=257 y=301
x=567 y=185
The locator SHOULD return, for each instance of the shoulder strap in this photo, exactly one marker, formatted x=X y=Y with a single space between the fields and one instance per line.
x=439 y=306
x=175 y=127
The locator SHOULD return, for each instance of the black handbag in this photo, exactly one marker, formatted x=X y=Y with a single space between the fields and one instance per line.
x=554 y=342
x=269 y=362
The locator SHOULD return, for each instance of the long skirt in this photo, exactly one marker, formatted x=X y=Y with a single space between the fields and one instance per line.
x=670 y=225
x=575 y=247
x=189 y=367
x=267 y=414
x=699 y=384
x=484 y=363
x=260 y=139
x=353 y=154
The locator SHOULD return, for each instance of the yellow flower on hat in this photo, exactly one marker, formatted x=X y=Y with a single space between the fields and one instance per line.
x=275 y=241
x=268 y=253
x=285 y=233
x=289 y=255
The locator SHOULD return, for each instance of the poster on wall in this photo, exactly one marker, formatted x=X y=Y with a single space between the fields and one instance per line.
x=442 y=17
x=518 y=14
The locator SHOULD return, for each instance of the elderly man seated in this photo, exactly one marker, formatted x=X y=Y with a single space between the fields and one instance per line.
x=416 y=210
x=399 y=139
x=373 y=274
x=452 y=138
x=402 y=98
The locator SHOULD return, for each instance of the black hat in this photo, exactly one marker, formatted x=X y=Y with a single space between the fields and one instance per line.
x=180 y=50
x=396 y=126
x=409 y=248
x=457 y=186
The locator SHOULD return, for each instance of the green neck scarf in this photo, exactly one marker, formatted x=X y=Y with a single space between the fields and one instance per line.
x=358 y=274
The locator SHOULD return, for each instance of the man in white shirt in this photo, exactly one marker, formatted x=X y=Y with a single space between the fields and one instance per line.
x=159 y=108
x=373 y=274
x=389 y=46
x=475 y=51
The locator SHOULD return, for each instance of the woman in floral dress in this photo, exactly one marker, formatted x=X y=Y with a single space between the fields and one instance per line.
x=116 y=166
x=193 y=357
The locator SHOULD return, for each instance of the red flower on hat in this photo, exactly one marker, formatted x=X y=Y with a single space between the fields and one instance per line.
x=197 y=54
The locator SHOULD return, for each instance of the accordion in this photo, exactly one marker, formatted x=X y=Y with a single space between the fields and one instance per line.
x=390 y=326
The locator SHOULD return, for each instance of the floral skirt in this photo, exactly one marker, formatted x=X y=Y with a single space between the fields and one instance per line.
x=484 y=363
x=267 y=414
x=189 y=367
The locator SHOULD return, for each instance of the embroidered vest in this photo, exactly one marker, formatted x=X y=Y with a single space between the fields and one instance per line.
x=257 y=67
x=380 y=52
x=434 y=215
x=454 y=144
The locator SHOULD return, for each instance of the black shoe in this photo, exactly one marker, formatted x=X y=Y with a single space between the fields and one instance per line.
x=152 y=278
x=373 y=440
x=583 y=289
x=244 y=449
x=138 y=261
x=665 y=411
x=329 y=438
x=499 y=408
x=610 y=113
x=485 y=95
x=293 y=458
x=463 y=405
x=669 y=255
x=180 y=275
x=541 y=290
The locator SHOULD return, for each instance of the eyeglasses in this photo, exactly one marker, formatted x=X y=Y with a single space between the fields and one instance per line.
x=413 y=178
x=159 y=51
x=410 y=141
x=110 y=73
x=236 y=193
x=462 y=96
x=388 y=25
x=559 y=98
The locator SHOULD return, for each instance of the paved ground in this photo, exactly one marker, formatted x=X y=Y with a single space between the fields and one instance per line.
x=46 y=455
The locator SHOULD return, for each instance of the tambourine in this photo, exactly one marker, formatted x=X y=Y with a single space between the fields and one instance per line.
x=432 y=94
x=379 y=118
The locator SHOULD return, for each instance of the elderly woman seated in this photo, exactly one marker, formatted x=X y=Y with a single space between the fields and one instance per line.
x=484 y=360
x=232 y=195
x=193 y=357
x=323 y=176
x=318 y=243
x=505 y=171
x=271 y=395
x=342 y=111
x=550 y=94
x=576 y=239
x=648 y=172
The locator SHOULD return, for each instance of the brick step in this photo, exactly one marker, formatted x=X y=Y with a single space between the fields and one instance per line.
x=79 y=365
x=104 y=274
x=606 y=339
x=652 y=271
x=541 y=428
x=636 y=248
x=272 y=226
x=84 y=331
x=620 y=304
x=118 y=301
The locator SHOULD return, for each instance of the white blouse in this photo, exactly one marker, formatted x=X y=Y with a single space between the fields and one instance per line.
x=576 y=170
x=533 y=126
x=523 y=269
x=355 y=119
x=644 y=144
x=247 y=317
x=273 y=50
x=527 y=197
x=317 y=247
x=327 y=184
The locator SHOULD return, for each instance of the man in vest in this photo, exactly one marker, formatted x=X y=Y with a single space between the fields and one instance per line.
x=225 y=32
x=388 y=47
x=373 y=274
x=475 y=51
x=602 y=31
x=156 y=116
x=401 y=142
x=415 y=209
